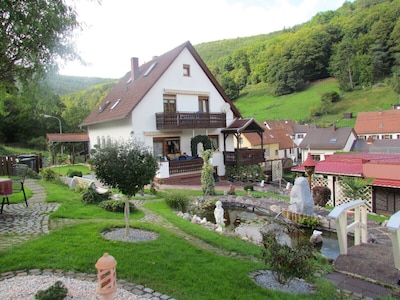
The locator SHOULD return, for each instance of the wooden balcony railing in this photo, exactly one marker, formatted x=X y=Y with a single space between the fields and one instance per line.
x=244 y=157
x=185 y=166
x=187 y=120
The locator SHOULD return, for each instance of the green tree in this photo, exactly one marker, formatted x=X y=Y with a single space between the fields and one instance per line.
x=34 y=35
x=126 y=166
x=354 y=187
x=207 y=174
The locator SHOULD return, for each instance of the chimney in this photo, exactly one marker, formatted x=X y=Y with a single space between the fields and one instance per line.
x=134 y=68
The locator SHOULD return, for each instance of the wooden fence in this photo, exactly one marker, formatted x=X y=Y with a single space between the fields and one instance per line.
x=34 y=161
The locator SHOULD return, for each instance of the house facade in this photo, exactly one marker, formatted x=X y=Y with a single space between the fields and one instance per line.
x=320 y=142
x=378 y=125
x=165 y=103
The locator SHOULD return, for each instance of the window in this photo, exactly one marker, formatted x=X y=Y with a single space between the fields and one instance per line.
x=300 y=136
x=168 y=146
x=387 y=137
x=186 y=70
x=203 y=104
x=214 y=142
x=169 y=103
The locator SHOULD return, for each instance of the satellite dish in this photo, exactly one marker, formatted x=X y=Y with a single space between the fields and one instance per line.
x=225 y=107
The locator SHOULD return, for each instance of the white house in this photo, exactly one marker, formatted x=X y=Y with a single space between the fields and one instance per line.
x=165 y=103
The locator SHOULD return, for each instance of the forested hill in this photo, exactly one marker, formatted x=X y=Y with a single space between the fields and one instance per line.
x=62 y=84
x=359 y=44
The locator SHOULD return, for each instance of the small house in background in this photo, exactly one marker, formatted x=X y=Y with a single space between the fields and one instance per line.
x=378 y=125
x=320 y=142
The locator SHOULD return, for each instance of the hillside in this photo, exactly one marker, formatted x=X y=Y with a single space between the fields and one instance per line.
x=358 y=44
x=258 y=104
x=63 y=84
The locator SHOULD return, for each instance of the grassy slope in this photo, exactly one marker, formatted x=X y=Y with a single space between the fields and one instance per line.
x=256 y=103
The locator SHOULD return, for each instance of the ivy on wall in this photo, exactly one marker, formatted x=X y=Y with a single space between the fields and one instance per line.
x=205 y=140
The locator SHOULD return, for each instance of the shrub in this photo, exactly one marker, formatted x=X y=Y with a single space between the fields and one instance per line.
x=310 y=222
x=284 y=261
x=321 y=195
x=116 y=205
x=90 y=196
x=56 y=291
x=177 y=200
x=48 y=174
x=330 y=97
x=72 y=173
x=247 y=187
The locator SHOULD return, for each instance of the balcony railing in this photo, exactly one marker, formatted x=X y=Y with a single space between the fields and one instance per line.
x=187 y=120
x=185 y=166
x=244 y=157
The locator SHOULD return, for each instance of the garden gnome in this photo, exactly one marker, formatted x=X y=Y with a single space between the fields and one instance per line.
x=219 y=216
x=301 y=200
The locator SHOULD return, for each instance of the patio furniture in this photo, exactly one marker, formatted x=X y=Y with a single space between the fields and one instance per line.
x=5 y=191
x=18 y=175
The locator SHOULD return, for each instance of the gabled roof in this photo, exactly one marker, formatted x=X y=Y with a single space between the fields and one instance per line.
x=286 y=125
x=378 y=122
x=240 y=125
x=67 y=137
x=303 y=128
x=270 y=137
x=128 y=93
x=333 y=138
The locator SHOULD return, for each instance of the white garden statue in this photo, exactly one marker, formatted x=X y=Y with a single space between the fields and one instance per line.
x=301 y=200
x=219 y=216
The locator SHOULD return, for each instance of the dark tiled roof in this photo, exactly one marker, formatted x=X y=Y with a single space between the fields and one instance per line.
x=377 y=146
x=67 y=137
x=326 y=138
x=286 y=125
x=240 y=125
x=378 y=122
x=128 y=93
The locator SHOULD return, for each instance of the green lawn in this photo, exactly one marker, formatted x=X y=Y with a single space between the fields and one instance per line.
x=171 y=264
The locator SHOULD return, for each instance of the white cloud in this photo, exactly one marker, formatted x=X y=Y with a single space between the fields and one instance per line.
x=120 y=29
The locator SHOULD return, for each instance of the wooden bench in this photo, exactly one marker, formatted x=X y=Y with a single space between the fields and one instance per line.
x=84 y=183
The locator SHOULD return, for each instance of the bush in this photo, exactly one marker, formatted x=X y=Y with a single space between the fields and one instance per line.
x=330 y=97
x=48 y=174
x=321 y=195
x=90 y=196
x=72 y=173
x=247 y=187
x=177 y=200
x=116 y=205
x=55 y=292
x=284 y=261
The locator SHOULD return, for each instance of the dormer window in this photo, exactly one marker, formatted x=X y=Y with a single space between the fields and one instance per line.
x=186 y=70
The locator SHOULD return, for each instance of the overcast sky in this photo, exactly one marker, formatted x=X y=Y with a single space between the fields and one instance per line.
x=117 y=30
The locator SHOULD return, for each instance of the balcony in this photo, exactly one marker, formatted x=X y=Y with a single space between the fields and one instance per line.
x=185 y=166
x=187 y=120
x=244 y=157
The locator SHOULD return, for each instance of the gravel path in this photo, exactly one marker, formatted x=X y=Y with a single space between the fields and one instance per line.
x=25 y=287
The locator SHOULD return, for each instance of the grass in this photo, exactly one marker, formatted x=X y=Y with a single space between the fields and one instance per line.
x=171 y=264
x=257 y=103
x=63 y=170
